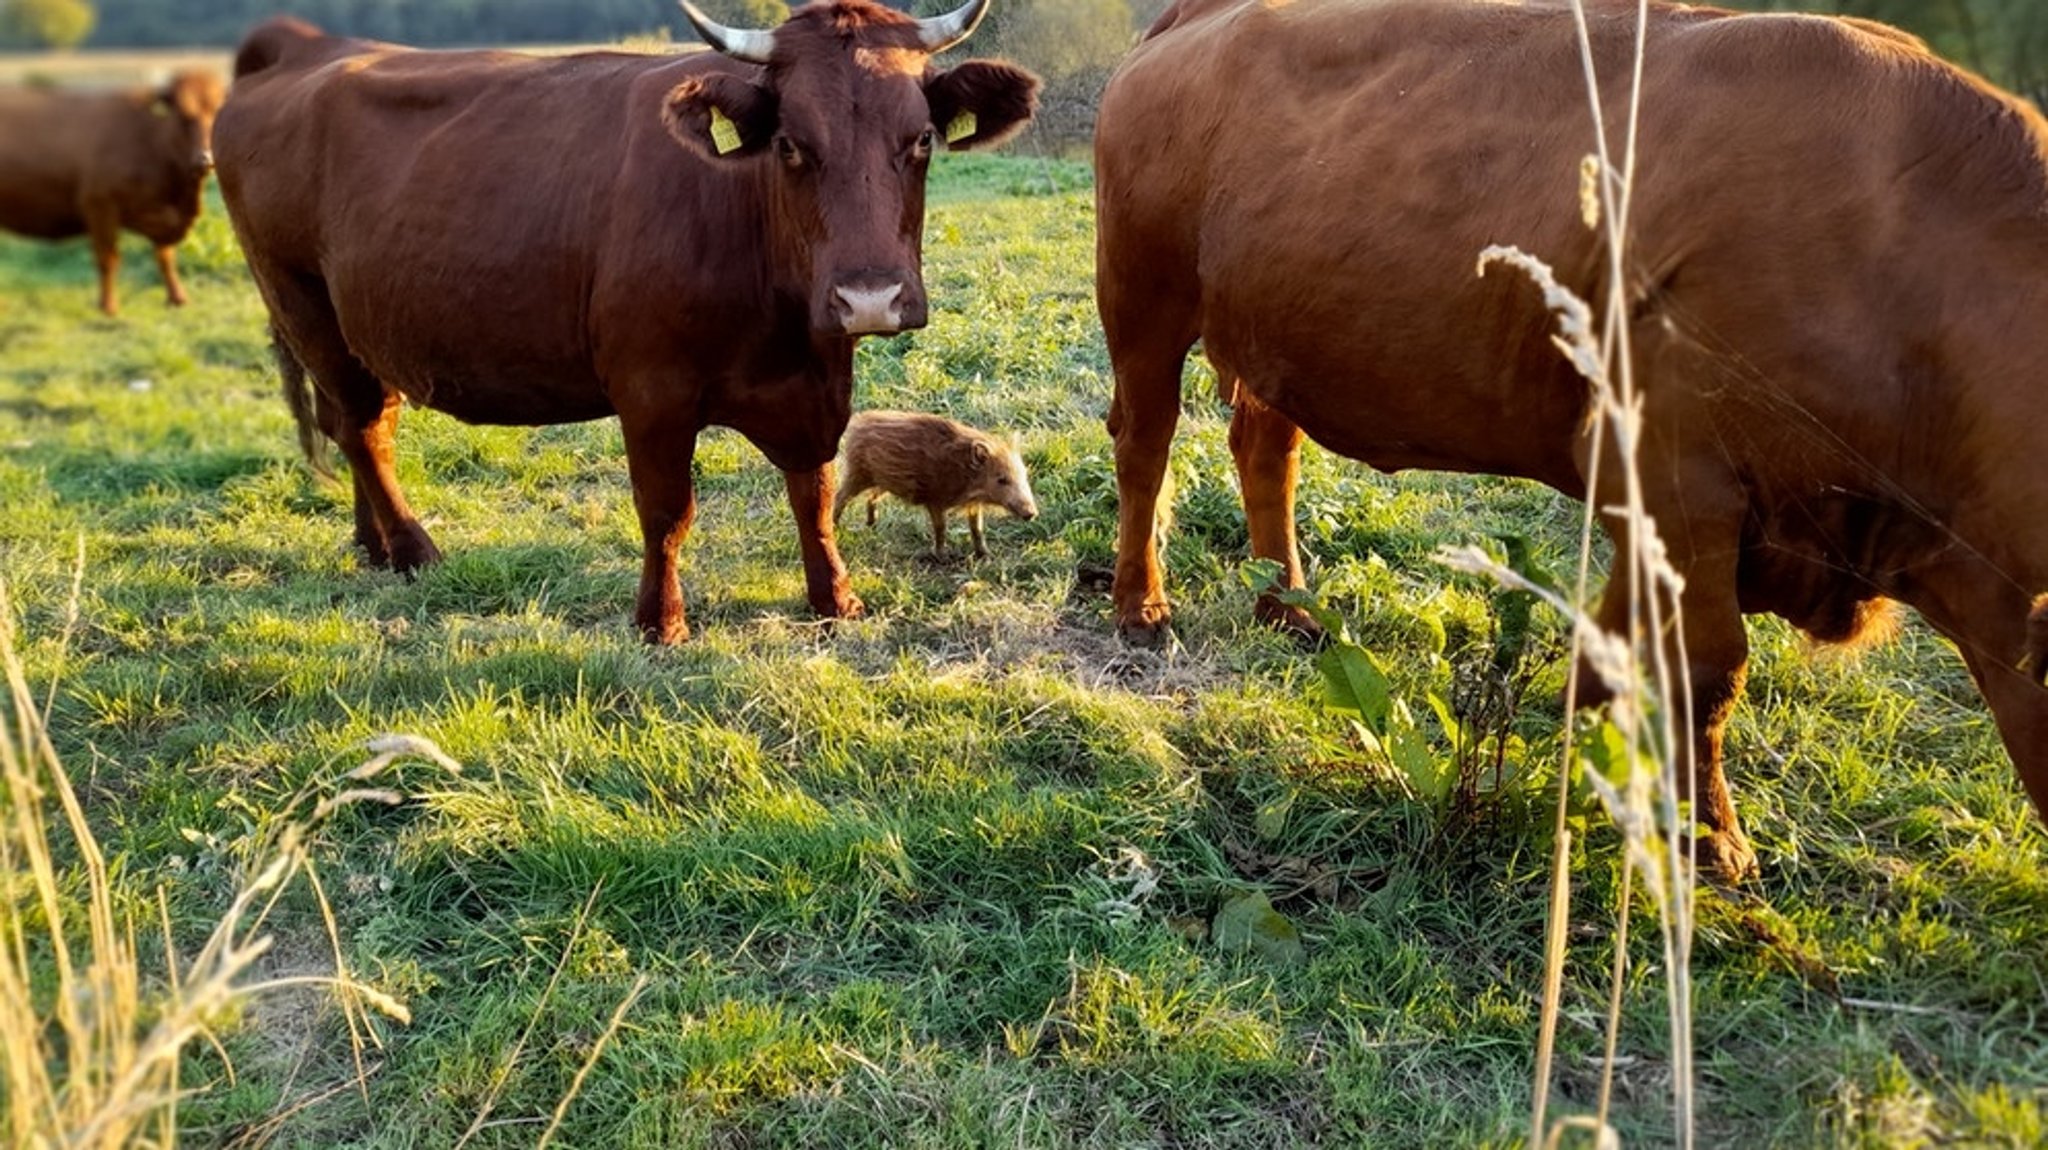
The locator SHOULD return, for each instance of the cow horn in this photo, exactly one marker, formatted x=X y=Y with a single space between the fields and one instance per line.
x=749 y=44
x=942 y=32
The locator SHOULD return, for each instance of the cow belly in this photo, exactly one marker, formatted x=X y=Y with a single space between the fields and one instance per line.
x=40 y=217
x=1395 y=396
x=481 y=361
x=525 y=394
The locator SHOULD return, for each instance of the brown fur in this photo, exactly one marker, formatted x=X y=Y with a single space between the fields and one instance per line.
x=2034 y=662
x=1838 y=252
x=934 y=463
x=93 y=163
x=679 y=240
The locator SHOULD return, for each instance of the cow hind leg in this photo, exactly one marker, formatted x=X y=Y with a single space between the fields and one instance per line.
x=355 y=411
x=103 y=230
x=1266 y=446
x=167 y=266
x=1702 y=547
x=363 y=423
x=2020 y=705
x=658 y=459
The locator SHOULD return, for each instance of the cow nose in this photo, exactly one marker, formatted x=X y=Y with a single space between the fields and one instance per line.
x=205 y=160
x=870 y=311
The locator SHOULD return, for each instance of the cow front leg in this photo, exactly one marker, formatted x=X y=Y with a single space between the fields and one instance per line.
x=103 y=230
x=825 y=579
x=658 y=461
x=1266 y=446
x=167 y=266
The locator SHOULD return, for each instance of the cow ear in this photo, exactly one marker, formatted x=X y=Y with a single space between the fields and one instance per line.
x=980 y=103
x=721 y=116
x=981 y=453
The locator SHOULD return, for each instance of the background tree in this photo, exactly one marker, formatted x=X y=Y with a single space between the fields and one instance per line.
x=2004 y=40
x=47 y=23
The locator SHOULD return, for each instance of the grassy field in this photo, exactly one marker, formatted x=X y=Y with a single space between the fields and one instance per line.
x=946 y=876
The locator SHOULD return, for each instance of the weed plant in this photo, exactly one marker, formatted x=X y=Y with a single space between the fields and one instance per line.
x=951 y=874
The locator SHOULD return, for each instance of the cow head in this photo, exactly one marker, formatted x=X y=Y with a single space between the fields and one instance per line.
x=842 y=122
x=187 y=105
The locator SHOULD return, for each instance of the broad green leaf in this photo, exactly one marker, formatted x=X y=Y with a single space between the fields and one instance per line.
x=1249 y=923
x=1260 y=575
x=1353 y=682
x=1454 y=732
x=1272 y=816
x=1331 y=621
x=1431 y=776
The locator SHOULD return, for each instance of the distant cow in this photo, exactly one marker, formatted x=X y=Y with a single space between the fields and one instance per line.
x=93 y=163
x=934 y=463
x=1838 y=297
x=680 y=241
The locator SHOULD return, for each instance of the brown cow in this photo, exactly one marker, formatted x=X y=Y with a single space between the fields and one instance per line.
x=1837 y=277
x=93 y=163
x=680 y=241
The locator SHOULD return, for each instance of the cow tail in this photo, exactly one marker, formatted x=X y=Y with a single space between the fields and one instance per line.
x=2035 y=661
x=298 y=395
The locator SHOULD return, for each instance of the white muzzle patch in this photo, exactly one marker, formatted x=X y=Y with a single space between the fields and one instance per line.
x=867 y=311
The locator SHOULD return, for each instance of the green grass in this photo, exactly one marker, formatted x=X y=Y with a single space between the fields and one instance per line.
x=881 y=877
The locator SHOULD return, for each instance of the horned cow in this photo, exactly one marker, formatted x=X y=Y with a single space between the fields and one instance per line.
x=680 y=241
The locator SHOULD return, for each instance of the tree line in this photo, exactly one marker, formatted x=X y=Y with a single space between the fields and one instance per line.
x=2006 y=40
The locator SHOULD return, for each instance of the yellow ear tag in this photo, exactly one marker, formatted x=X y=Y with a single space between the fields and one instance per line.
x=724 y=133
x=961 y=127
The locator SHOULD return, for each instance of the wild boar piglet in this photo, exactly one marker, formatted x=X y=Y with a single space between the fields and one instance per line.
x=935 y=463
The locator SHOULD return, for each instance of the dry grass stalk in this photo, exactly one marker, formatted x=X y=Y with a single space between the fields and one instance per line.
x=1650 y=693
x=90 y=1043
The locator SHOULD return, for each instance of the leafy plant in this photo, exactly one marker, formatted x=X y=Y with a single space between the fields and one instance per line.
x=1465 y=761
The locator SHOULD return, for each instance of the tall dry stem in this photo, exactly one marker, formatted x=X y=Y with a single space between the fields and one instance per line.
x=89 y=1042
x=1651 y=696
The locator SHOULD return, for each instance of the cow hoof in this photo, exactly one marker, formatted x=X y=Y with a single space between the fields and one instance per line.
x=846 y=605
x=1290 y=620
x=1150 y=628
x=409 y=555
x=666 y=635
x=1724 y=859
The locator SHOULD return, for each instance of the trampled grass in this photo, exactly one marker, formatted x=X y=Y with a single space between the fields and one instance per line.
x=942 y=876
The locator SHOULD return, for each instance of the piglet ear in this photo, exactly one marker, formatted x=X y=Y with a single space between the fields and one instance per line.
x=721 y=117
x=980 y=103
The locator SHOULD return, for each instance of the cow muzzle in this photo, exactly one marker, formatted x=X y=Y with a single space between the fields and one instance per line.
x=877 y=307
x=866 y=311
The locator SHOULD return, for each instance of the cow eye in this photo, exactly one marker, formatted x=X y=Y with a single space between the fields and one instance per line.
x=926 y=141
x=788 y=150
